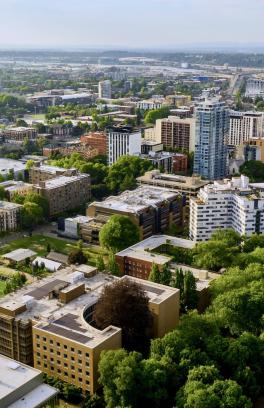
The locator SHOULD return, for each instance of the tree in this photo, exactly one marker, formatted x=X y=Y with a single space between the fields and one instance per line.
x=253 y=169
x=252 y=242
x=165 y=275
x=40 y=201
x=154 y=114
x=30 y=164
x=185 y=281
x=21 y=123
x=31 y=215
x=154 y=275
x=228 y=235
x=76 y=256
x=214 y=255
x=112 y=265
x=118 y=233
x=124 y=304
x=100 y=263
x=2 y=193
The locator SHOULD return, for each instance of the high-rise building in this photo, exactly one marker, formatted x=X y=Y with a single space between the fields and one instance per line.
x=105 y=89
x=122 y=141
x=232 y=204
x=212 y=125
x=243 y=126
x=175 y=132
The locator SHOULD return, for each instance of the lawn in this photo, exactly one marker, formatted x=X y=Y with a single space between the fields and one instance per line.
x=38 y=243
x=2 y=287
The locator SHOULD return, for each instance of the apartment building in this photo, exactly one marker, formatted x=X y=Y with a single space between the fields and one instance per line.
x=13 y=187
x=227 y=204
x=23 y=386
x=176 y=133
x=122 y=141
x=178 y=100
x=44 y=172
x=14 y=167
x=9 y=216
x=255 y=87
x=18 y=134
x=149 y=104
x=65 y=193
x=244 y=126
x=96 y=140
x=152 y=209
x=62 y=340
x=105 y=89
x=258 y=142
x=212 y=127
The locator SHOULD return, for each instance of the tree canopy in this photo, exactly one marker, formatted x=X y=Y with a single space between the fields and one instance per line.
x=118 y=233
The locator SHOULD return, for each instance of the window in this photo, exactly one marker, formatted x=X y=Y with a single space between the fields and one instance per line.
x=65 y=355
x=65 y=346
x=72 y=349
x=80 y=361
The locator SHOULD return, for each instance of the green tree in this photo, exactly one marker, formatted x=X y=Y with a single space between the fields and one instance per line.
x=2 y=193
x=31 y=215
x=253 y=169
x=228 y=235
x=112 y=265
x=252 y=242
x=153 y=115
x=21 y=123
x=30 y=164
x=214 y=255
x=100 y=263
x=165 y=275
x=76 y=256
x=118 y=233
x=40 y=201
x=154 y=275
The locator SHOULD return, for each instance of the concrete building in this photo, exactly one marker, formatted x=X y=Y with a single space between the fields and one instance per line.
x=150 y=134
x=152 y=209
x=39 y=173
x=150 y=104
x=13 y=187
x=105 y=89
x=255 y=87
x=13 y=167
x=212 y=126
x=96 y=140
x=227 y=204
x=121 y=142
x=61 y=339
x=18 y=134
x=178 y=100
x=176 y=133
x=258 y=142
x=65 y=193
x=22 y=386
x=9 y=216
x=72 y=226
x=244 y=126
x=150 y=146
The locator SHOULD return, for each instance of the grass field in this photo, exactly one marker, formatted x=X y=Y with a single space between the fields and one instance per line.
x=38 y=243
x=2 y=287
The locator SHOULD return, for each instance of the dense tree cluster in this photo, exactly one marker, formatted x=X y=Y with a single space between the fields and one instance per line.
x=254 y=169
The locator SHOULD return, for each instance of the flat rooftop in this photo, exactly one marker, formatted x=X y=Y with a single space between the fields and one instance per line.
x=62 y=181
x=9 y=164
x=51 y=169
x=172 y=180
x=19 y=254
x=136 y=200
x=142 y=250
x=67 y=320
x=6 y=205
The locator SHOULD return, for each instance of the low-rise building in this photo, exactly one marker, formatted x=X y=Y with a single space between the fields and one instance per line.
x=23 y=387
x=9 y=216
x=65 y=193
x=152 y=209
x=149 y=104
x=15 y=168
x=96 y=140
x=51 y=323
x=71 y=226
x=18 y=134
x=13 y=188
x=227 y=204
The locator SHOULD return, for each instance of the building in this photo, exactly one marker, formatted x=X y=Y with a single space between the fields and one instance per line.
x=160 y=160
x=255 y=87
x=138 y=259
x=244 y=126
x=150 y=104
x=150 y=146
x=227 y=204
x=212 y=126
x=178 y=100
x=121 y=142
x=179 y=163
x=13 y=188
x=65 y=193
x=188 y=186
x=18 y=134
x=152 y=209
x=9 y=216
x=96 y=140
x=176 y=133
x=23 y=387
x=258 y=142
x=39 y=173
x=105 y=89
x=15 y=168
x=61 y=339
x=71 y=226
x=150 y=134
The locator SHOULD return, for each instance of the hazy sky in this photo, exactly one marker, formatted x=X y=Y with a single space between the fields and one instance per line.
x=133 y=23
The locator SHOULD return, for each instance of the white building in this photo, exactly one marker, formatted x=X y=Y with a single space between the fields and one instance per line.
x=243 y=126
x=149 y=104
x=22 y=386
x=105 y=89
x=255 y=87
x=227 y=204
x=9 y=216
x=10 y=166
x=121 y=142
x=72 y=225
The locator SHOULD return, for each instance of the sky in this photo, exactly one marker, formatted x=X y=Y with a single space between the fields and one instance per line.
x=129 y=23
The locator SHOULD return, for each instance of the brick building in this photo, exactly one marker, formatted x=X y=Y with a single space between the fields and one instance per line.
x=96 y=140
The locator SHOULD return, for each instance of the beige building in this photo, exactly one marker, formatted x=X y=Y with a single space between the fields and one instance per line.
x=58 y=315
x=13 y=187
x=178 y=100
x=65 y=193
x=259 y=142
x=9 y=216
x=176 y=133
x=45 y=172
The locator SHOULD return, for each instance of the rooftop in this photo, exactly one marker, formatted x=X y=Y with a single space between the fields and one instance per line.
x=51 y=169
x=62 y=180
x=6 y=205
x=137 y=200
x=9 y=164
x=173 y=181
x=19 y=254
